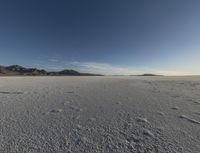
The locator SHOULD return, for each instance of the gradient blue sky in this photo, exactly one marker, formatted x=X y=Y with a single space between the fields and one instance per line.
x=102 y=36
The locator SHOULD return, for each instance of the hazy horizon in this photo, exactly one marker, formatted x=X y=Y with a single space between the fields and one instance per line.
x=106 y=37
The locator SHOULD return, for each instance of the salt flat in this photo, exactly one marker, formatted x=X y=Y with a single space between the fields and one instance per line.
x=99 y=114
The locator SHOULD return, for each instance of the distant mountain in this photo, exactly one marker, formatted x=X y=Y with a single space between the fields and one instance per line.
x=149 y=75
x=20 y=70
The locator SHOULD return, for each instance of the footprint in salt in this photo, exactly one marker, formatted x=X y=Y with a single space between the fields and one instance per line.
x=196 y=102
x=175 y=96
x=118 y=103
x=198 y=113
x=70 y=92
x=140 y=119
x=76 y=108
x=175 y=108
x=66 y=103
x=56 y=110
x=53 y=111
x=189 y=119
x=148 y=133
x=161 y=113
x=7 y=92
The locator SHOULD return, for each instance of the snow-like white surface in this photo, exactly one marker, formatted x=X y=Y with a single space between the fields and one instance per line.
x=99 y=114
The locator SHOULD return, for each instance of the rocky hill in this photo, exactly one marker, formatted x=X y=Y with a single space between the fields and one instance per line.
x=20 y=70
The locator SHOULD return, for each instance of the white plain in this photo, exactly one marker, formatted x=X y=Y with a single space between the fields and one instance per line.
x=99 y=114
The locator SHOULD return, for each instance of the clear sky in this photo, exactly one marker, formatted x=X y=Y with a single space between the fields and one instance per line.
x=102 y=36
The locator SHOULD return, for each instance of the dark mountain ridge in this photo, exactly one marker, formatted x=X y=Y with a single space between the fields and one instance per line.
x=20 y=70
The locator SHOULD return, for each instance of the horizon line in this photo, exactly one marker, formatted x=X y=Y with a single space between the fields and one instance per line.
x=61 y=69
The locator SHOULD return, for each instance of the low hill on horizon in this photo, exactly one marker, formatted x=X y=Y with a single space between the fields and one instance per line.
x=146 y=74
x=22 y=71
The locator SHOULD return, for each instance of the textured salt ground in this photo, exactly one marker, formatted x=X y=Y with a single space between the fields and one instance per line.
x=99 y=114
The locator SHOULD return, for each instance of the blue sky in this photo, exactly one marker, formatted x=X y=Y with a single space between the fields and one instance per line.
x=107 y=36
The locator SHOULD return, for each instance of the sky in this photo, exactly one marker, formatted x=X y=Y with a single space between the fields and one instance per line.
x=102 y=36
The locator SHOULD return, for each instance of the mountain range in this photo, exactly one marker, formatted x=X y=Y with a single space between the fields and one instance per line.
x=20 y=70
